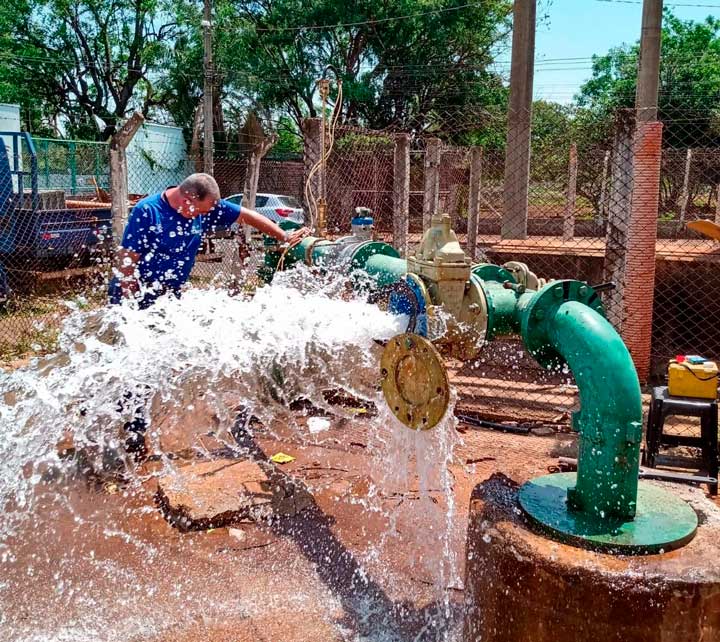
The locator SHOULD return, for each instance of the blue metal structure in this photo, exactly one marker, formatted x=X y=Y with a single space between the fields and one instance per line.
x=35 y=239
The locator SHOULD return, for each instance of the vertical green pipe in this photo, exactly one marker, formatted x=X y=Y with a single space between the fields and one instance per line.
x=610 y=415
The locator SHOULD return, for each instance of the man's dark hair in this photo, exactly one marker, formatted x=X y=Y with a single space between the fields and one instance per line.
x=200 y=186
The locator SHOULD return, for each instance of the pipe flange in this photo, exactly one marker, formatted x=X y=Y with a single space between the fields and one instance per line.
x=425 y=305
x=663 y=522
x=414 y=381
x=542 y=308
x=369 y=248
x=492 y=272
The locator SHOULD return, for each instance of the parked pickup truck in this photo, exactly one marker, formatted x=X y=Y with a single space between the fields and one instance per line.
x=38 y=236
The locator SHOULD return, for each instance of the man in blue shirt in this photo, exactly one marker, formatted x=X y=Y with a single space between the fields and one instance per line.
x=164 y=233
x=158 y=250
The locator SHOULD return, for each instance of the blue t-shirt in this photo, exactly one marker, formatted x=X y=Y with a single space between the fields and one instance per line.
x=167 y=243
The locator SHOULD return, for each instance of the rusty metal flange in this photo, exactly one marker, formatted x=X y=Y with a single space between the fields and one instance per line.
x=415 y=381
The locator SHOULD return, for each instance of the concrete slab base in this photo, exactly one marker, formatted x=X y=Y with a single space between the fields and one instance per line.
x=521 y=585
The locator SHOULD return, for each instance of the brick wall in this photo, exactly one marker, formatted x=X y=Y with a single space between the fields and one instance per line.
x=640 y=255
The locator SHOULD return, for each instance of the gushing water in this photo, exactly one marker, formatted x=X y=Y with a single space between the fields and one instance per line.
x=189 y=365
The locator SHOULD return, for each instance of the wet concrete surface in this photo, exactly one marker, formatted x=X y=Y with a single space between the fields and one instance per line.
x=363 y=562
x=523 y=586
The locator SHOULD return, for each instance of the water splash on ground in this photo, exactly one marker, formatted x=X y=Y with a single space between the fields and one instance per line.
x=196 y=361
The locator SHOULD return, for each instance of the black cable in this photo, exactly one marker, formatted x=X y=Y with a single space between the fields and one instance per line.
x=692 y=372
x=492 y=425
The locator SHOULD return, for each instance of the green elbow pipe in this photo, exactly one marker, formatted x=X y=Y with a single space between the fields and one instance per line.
x=610 y=415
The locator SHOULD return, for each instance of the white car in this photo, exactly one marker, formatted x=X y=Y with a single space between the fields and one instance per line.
x=276 y=207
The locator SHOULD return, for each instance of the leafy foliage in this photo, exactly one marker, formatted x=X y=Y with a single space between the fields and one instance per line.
x=83 y=60
x=689 y=92
x=395 y=71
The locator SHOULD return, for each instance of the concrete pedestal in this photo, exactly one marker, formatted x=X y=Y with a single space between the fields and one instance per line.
x=522 y=586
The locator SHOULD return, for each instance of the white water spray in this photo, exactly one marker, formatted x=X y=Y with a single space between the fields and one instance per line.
x=196 y=360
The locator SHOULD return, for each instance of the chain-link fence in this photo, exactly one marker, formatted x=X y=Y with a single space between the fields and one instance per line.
x=54 y=224
x=604 y=209
x=359 y=174
x=611 y=208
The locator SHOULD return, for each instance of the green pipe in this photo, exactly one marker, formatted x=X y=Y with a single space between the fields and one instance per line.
x=610 y=415
x=563 y=323
x=299 y=252
x=502 y=306
x=385 y=269
x=379 y=260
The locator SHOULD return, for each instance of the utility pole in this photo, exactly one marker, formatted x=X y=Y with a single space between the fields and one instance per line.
x=517 y=155
x=646 y=97
x=209 y=75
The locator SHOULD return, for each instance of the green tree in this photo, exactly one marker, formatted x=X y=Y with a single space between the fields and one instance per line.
x=551 y=139
x=413 y=72
x=84 y=59
x=689 y=92
x=289 y=138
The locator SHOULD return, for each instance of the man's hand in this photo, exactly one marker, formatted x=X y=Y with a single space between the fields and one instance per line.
x=296 y=236
x=269 y=228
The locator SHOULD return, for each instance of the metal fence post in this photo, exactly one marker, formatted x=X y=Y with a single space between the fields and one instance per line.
x=401 y=193
x=46 y=145
x=96 y=169
x=73 y=168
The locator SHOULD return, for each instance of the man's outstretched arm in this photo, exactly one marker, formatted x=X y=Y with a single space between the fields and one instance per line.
x=268 y=227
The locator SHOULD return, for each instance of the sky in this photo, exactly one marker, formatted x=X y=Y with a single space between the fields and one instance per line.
x=577 y=29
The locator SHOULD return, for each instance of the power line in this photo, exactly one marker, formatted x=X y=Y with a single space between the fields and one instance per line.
x=669 y=4
x=370 y=22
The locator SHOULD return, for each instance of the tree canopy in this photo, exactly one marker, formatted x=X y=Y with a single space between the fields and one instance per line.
x=83 y=60
x=409 y=63
x=689 y=91
x=418 y=65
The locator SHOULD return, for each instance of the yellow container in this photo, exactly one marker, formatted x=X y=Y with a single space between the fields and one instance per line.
x=697 y=380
